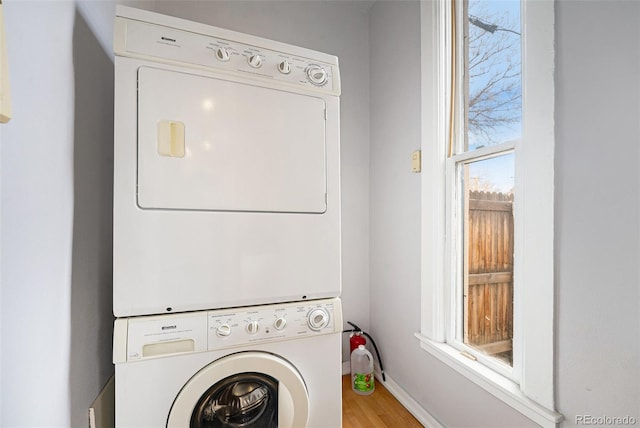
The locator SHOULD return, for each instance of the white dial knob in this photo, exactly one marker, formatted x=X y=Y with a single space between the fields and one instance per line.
x=222 y=54
x=318 y=319
x=317 y=75
x=280 y=324
x=253 y=327
x=223 y=330
x=284 y=67
x=255 y=61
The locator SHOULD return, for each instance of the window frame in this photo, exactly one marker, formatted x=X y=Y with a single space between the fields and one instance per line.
x=531 y=389
x=455 y=247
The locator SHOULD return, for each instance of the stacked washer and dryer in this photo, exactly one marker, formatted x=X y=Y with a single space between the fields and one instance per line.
x=227 y=256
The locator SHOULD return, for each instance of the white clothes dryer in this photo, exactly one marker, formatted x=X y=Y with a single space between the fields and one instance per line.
x=268 y=366
x=226 y=168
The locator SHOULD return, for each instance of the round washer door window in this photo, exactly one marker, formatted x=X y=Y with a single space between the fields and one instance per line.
x=248 y=389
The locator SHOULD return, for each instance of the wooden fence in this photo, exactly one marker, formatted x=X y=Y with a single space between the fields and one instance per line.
x=489 y=276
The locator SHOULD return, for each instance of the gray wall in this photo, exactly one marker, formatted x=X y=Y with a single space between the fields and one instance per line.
x=597 y=216
x=56 y=217
x=598 y=208
x=395 y=229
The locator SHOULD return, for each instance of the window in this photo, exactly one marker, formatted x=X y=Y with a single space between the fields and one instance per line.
x=487 y=185
x=485 y=125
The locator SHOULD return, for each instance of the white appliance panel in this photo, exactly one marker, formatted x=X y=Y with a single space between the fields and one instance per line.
x=147 y=387
x=230 y=223
x=246 y=148
x=146 y=390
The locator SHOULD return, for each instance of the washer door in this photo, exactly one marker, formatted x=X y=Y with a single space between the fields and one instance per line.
x=248 y=389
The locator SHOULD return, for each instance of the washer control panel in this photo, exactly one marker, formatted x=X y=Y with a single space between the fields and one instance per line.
x=233 y=327
x=144 y=337
x=228 y=52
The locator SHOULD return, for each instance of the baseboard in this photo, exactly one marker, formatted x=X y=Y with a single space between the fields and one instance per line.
x=402 y=396
x=420 y=413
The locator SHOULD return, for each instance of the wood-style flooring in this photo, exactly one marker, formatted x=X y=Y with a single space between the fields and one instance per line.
x=378 y=410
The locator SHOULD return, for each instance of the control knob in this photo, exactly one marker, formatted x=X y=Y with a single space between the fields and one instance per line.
x=279 y=324
x=255 y=61
x=284 y=67
x=223 y=330
x=318 y=319
x=317 y=75
x=222 y=54
x=253 y=327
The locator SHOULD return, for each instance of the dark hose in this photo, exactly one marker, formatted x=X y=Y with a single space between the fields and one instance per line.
x=373 y=342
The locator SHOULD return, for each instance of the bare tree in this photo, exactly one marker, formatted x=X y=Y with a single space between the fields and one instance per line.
x=493 y=72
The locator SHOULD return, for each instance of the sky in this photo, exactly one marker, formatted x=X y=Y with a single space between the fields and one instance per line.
x=497 y=173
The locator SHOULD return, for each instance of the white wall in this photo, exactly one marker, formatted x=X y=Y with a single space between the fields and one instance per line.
x=597 y=217
x=37 y=215
x=598 y=208
x=56 y=217
x=56 y=248
x=395 y=229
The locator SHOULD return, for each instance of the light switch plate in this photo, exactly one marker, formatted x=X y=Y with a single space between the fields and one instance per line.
x=416 y=161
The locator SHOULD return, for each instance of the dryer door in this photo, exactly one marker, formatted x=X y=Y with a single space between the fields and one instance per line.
x=248 y=389
x=218 y=145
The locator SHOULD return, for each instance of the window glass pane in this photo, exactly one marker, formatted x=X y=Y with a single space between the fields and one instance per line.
x=492 y=73
x=487 y=199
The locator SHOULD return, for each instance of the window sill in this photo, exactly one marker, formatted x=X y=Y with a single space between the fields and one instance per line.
x=500 y=387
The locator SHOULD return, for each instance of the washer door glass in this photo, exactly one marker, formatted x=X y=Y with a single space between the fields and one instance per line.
x=246 y=389
x=240 y=400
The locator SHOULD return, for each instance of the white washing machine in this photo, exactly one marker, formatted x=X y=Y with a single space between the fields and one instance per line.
x=267 y=366
x=226 y=168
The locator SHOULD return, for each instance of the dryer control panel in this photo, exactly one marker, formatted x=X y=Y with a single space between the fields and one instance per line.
x=146 y=35
x=145 y=337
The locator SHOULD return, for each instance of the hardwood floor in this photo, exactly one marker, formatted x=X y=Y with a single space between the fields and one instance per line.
x=378 y=410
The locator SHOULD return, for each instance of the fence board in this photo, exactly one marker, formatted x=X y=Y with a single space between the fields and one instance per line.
x=490 y=277
x=489 y=248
